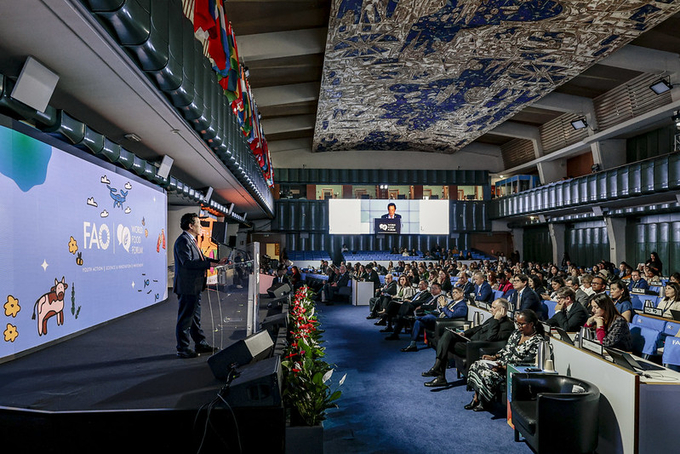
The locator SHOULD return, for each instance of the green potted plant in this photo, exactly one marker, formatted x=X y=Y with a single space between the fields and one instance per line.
x=307 y=391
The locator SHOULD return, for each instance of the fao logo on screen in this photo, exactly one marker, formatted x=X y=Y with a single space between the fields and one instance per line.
x=99 y=237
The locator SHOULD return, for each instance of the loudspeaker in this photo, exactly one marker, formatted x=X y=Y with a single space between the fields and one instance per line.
x=257 y=385
x=278 y=290
x=253 y=348
x=273 y=322
x=35 y=85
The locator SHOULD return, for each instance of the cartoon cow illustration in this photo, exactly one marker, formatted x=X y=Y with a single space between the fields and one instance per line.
x=49 y=305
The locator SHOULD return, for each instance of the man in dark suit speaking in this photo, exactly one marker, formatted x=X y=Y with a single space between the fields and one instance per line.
x=391 y=212
x=191 y=268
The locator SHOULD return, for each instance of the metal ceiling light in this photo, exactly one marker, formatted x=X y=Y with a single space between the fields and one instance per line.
x=579 y=124
x=662 y=86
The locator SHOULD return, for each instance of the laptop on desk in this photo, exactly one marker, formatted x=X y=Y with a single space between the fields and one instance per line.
x=564 y=336
x=675 y=314
x=626 y=360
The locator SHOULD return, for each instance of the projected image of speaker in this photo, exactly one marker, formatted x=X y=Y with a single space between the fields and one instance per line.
x=253 y=348
x=278 y=290
x=257 y=385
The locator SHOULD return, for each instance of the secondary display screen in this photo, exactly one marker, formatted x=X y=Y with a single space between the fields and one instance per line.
x=361 y=216
x=81 y=244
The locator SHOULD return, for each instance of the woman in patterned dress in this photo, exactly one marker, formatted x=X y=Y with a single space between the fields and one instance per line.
x=486 y=375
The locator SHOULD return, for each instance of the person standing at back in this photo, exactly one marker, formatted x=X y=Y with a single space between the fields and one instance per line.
x=191 y=268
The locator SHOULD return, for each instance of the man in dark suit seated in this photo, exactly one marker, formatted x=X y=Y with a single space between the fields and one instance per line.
x=467 y=286
x=331 y=289
x=382 y=297
x=190 y=280
x=497 y=328
x=407 y=308
x=455 y=309
x=524 y=297
x=569 y=315
x=483 y=291
x=637 y=282
x=373 y=277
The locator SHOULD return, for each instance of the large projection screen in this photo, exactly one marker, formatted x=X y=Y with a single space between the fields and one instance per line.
x=357 y=216
x=81 y=244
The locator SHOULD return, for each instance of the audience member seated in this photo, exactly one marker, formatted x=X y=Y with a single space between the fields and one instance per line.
x=611 y=328
x=598 y=285
x=454 y=309
x=463 y=282
x=372 y=276
x=654 y=264
x=624 y=270
x=556 y=284
x=445 y=281
x=331 y=288
x=483 y=291
x=525 y=298
x=382 y=297
x=569 y=315
x=535 y=283
x=504 y=285
x=405 y=291
x=621 y=298
x=403 y=309
x=486 y=375
x=637 y=282
x=295 y=278
x=497 y=328
x=580 y=296
x=671 y=300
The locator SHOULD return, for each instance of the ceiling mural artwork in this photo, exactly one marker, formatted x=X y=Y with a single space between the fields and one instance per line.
x=435 y=75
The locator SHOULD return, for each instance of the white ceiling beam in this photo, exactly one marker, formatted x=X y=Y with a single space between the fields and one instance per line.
x=263 y=46
x=276 y=146
x=288 y=124
x=382 y=160
x=643 y=59
x=562 y=102
x=286 y=94
x=481 y=149
x=517 y=130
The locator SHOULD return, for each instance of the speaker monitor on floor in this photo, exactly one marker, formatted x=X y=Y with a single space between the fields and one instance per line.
x=273 y=322
x=253 y=348
x=278 y=290
x=257 y=385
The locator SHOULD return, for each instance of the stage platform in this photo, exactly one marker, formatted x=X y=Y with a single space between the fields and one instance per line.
x=128 y=367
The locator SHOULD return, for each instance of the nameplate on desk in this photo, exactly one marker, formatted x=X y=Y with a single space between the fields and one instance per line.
x=638 y=290
x=651 y=310
x=482 y=304
x=591 y=346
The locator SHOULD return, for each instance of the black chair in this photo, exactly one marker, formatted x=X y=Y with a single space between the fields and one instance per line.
x=474 y=351
x=433 y=336
x=567 y=408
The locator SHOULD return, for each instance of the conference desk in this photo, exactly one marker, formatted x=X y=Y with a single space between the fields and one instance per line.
x=638 y=414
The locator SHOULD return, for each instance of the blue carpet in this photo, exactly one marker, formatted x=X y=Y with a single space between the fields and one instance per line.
x=385 y=408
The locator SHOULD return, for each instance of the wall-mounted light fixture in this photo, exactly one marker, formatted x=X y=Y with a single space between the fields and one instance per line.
x=579 y=124
x=661 y=86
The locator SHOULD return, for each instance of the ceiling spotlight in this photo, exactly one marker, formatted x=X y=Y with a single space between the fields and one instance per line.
x=662 y=86
x=579 y=124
